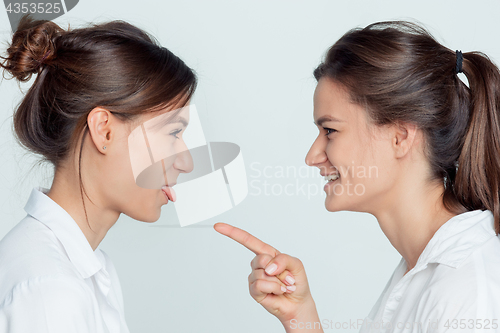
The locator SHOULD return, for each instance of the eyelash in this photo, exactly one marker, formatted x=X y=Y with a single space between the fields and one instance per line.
x=175 y=133
x=329 y=129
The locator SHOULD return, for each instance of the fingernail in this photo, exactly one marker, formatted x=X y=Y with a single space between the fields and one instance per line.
x=291 y=288
x=271 y=268
x=283 y=289
x=290 y=279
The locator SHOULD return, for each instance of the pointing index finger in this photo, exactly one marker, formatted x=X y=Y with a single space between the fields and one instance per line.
x=246 y=239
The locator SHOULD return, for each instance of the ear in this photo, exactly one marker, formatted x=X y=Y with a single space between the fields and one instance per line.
x=404 y=138
x=100 y=122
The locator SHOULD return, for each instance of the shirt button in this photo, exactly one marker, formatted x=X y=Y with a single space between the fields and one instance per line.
x=398 y=298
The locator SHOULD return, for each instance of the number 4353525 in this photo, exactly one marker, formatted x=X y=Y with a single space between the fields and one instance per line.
x=33 y=7
x=472 y=323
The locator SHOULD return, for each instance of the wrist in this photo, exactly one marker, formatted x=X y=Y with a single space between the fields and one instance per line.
x=306 y=319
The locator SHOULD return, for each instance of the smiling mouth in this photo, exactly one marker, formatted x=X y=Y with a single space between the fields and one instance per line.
x=332 y=177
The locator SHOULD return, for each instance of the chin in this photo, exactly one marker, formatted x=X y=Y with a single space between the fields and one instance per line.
x=336 y=204
x=331 y=205
x=153 y=216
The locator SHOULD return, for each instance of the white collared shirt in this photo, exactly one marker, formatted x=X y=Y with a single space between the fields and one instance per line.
x=454 y=287
x=51 y=281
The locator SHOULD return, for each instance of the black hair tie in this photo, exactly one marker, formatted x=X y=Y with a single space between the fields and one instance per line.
x=460 y=59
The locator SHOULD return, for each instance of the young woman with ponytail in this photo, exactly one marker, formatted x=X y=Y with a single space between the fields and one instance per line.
x=389 y=99
x=93 y=86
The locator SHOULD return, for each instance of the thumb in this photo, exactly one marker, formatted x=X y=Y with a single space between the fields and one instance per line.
x=284 y=267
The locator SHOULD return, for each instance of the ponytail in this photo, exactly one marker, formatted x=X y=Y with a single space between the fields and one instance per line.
x=478 y=174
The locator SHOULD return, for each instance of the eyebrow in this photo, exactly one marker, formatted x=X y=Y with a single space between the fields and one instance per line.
x=165 y=122
x=181 y=120
x=323 y=119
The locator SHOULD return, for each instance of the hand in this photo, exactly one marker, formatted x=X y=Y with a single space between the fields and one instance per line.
x=283 y=298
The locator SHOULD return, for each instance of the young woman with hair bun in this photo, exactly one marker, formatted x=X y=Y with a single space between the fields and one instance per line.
x=389 y=100
x=93 y=85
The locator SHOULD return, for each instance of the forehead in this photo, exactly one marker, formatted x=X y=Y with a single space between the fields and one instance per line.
x=166 y=115
x=160 y=118
x=331 y=99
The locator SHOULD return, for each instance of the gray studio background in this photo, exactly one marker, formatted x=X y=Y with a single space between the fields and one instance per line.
x=254 y=61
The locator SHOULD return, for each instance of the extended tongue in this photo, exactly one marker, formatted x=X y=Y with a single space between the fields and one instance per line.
x=169 y=192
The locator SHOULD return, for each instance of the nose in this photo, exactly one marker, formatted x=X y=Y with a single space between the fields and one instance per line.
x=316 y=154
x=183 y=159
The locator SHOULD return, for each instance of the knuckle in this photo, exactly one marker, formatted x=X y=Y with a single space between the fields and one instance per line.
x=261 y=261
x=255 y=292
x=259 y=274
x=282 y=259
x=255 y=261
x=299 y=262
x=257 y=285
x=281 y=256
x=251 y=288
x=265 y=259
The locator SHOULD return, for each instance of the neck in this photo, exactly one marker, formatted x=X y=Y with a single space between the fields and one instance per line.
x=411 y=215
x=65 y=191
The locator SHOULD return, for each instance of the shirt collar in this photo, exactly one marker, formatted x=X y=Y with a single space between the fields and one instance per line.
x=44 y=209
x=456 y=239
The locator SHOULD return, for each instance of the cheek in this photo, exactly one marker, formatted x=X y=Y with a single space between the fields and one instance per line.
x=377 y=171
x=168 y=161
x=347 y=156
x=123 y=194
x=121 y=170
x=360 y=162
x=119 y=183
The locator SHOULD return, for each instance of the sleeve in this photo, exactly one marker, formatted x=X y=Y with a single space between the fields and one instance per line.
x=50 y=305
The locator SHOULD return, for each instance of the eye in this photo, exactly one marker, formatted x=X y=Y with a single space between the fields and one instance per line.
x=174 y=133
x=329 y=130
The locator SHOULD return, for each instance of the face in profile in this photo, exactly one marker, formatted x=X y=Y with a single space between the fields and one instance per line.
x=354 y=156
x=152 y=153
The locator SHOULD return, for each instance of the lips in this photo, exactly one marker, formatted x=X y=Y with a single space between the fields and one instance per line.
x=169 y=192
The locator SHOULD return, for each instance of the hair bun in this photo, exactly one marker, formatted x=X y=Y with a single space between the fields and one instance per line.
x=33 y=44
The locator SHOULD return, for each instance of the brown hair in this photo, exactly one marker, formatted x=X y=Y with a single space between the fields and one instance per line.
x=114 y=65
x=402 y=74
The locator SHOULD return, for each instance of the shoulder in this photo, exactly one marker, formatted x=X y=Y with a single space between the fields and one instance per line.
x=481 y=267
x=54 y=303
x=471 y=289
x=49 y=289
x=30 y=250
